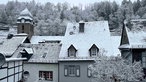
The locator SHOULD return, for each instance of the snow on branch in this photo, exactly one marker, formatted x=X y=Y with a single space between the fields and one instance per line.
x=115 y=69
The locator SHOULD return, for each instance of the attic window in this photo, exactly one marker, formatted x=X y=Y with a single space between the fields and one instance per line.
x=72 y=51
x=81 y=27
x=93 y=50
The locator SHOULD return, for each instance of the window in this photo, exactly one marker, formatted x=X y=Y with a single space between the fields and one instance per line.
x=72 y=70
x=72 y=51
x=93 y=50
x=46 y=75
x=22 y=28
x=144 y=60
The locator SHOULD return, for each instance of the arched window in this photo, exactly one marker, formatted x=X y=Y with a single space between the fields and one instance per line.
x=93 y=50
x=72 y=51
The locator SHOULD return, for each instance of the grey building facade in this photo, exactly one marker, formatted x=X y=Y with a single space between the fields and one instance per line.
x=74 y=71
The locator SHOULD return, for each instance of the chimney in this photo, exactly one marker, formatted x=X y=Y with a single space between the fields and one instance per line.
x=81 y=26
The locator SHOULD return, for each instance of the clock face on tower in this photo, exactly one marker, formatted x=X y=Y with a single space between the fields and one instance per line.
x=22 y=20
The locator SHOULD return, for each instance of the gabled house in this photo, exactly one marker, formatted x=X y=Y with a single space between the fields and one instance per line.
x=12 y=68
x=9 y=44
x=83 y=42
x=133 y=43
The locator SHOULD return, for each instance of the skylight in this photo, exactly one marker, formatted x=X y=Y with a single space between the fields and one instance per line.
x=44 y=55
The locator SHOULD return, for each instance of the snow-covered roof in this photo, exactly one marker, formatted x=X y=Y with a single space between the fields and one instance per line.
x=9 y=46
x=15 y=59
x=115 y=43
x=138 y=20
x=29 y=50
x=37 y=39
x=25 y=12
x=25 y=17
x=94 y=33
x=136 y=36
x=5 y=33
x=45 y=53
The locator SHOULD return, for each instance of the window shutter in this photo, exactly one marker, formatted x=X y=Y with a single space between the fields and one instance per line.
x=77 y=71
x=65 y=71
x=89 y=72
x=144 y=59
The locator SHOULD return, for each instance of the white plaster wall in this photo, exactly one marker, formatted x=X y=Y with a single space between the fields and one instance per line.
x=5 y=80
x=11 y=74
x=3 y=73
x=34 y=69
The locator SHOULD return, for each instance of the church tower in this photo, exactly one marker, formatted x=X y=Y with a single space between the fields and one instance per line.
x=25 y=23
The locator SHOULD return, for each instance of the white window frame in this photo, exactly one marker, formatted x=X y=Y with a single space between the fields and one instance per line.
x=72 y=70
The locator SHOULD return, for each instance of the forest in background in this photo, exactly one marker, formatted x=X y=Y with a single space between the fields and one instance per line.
x=51 y=19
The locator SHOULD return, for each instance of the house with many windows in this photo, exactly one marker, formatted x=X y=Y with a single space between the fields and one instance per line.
x=83 y=42
x=133 y=42
x=57 y=58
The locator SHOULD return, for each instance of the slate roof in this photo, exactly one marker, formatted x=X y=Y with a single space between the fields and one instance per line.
x=9 y=46
x=94 y=33
x=25 y=14
x=42 y=52
x=37 y=39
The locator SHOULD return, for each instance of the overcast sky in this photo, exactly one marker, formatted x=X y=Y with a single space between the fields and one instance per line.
x=72 y=2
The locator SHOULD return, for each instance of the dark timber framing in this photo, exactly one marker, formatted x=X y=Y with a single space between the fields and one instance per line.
x=16 y=70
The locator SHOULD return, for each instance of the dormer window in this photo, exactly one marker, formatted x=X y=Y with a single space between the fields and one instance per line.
x=81 y=27
x=72 y=51
x=93 y=50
